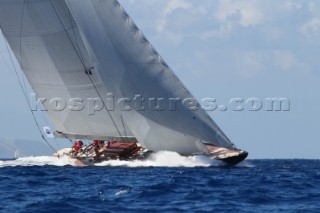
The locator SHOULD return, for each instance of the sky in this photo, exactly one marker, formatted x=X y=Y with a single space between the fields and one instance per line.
x=224 y=50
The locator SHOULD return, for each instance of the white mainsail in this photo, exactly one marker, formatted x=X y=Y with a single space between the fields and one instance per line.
x=56 y=41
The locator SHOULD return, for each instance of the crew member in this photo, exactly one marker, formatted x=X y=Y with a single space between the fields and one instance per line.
x=76 y=148
x=98 y=148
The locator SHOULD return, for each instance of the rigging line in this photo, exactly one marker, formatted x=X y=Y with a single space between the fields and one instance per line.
x=54 y=138
x=20 y=40
x=104 y=105
x=85 y=69
x=48 y=124
x=25 y=95
x=124 y=128
x=67 y=138
x=65 y=30
x=75 y=37
x=21 y=25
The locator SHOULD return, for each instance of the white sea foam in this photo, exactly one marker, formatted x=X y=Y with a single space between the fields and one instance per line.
x=246 y=164
x=38 y=161
x=164 y=159
x=122 y=192
x=159 y=159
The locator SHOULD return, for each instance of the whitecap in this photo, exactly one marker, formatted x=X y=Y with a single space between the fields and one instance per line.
x=122 y=192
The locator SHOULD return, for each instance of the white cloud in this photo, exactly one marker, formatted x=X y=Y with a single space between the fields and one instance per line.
x=231 y=14
x=311 y=29
x=171 y=37
x=246 y=13
x=314 y=8
x=222 y=32
x=291 y=6
x=270 y=33
x=176 y=4
x=169 y=9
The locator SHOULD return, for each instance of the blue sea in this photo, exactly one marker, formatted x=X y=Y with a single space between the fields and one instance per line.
x=167 y=182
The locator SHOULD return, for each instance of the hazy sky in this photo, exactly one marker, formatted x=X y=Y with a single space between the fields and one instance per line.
x=225 y=49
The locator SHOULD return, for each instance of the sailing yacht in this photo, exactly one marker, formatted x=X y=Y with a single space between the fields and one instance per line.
x=90 y=53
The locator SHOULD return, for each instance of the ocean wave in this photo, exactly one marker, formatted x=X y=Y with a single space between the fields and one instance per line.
x=38 y=161
x=159 y=159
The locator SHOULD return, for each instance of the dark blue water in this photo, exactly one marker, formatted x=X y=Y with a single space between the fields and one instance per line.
x=255 y=186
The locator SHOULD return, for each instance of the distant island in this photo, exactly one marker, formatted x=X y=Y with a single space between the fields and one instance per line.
x=23 y=148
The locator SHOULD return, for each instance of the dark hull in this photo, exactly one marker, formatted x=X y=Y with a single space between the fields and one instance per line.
x=129 y=151
x=144 y=156
x=236 y=159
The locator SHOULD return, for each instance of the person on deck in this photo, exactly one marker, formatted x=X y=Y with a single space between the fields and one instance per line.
x=76 y=148
x=98 y=148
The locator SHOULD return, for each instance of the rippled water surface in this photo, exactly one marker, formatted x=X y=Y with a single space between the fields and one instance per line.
x=166 y=183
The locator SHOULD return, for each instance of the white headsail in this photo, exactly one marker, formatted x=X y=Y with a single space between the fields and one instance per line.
x=57 y=41
x=46 y=42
